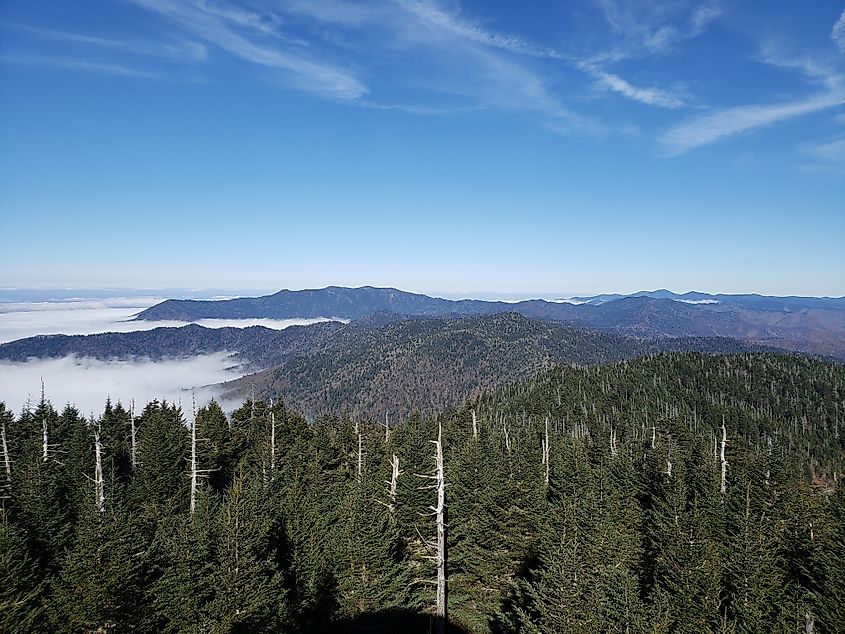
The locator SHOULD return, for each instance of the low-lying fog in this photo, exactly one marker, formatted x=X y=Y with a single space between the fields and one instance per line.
x=85 y=317
x=86 y=382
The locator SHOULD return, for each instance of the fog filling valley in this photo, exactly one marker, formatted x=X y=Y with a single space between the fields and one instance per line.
x=86 y=382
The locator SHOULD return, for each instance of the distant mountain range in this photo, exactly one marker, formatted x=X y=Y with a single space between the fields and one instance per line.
x=751 y=301
x=803 y=324
x=410 y=363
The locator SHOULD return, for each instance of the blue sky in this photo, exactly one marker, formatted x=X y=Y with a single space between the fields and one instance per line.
x=437 y=146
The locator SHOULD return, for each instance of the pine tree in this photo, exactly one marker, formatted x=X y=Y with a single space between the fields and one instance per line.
x=21 y=594
x=99 y=585
x=249 y=594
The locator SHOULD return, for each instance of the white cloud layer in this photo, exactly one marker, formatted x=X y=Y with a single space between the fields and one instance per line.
x=86 y=382
x=19 y=320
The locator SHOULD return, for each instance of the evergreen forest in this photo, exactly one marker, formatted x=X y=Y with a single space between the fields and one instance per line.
x=680 y=492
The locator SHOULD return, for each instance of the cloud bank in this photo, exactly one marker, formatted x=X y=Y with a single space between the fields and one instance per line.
x=86 y=383
x=19 y=320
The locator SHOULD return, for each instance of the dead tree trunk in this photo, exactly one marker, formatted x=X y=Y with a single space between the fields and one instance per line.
x=99 y=485
x=440 y=511
x=474 y=426
x=194 y=473
x=360 y=453
x=724 y=485
x=133 y=441
x=392 y=483
x=44 y=444
x=715 y=449
x=546 y=453
x=7 y=462
x=272 y=443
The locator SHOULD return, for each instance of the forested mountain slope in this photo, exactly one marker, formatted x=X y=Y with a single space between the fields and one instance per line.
x=380 y=364
x=428 y=365
x=808 y=325
x=580 y=500
x=257 y=344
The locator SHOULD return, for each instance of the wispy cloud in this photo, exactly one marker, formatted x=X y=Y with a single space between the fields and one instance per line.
x=838 y=32
x=437 y=17
x=648 y=96
x=481 y=67
x=727 y=122
x=642 y=29
x=82 y=65
x=220 y=27
x=178 y=50
x=722 y=123
x=702 y=17
x=832 y=150
x=830 y=153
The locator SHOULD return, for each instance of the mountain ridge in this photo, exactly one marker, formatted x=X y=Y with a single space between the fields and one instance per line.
x=807 y=325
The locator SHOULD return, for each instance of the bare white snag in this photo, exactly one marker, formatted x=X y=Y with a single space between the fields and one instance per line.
x=360 y=452
x=133 y=441
x=272 y=442
x=439 y=547
x=614 y=450
x=99 y=485
x=386 y=428
x=546 y=453
x=440 y=512
x=715 y=449
x=507 y=438
x=392 y=483
x=194 y=473
x=7 y=461
x=474 y=425
x=669 y=460
x=44 y=444
x=653 y=436
x=724 y=485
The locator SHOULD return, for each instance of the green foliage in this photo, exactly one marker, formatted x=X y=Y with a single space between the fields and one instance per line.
x=301 y=533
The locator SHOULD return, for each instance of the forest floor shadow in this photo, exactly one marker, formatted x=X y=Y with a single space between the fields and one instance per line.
x=390 y=622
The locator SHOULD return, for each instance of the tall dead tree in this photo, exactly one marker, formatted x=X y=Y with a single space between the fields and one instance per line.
x=6 y=461
x=724 y=485
x=440 y=513
x=715 y=449
x=360 y=452
x=438 y=546
x=133 y=440
x=99 y=484
x=545 y=447
x=474 y=426
x=272 y=442
x=392 y=483
x=196 y=473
